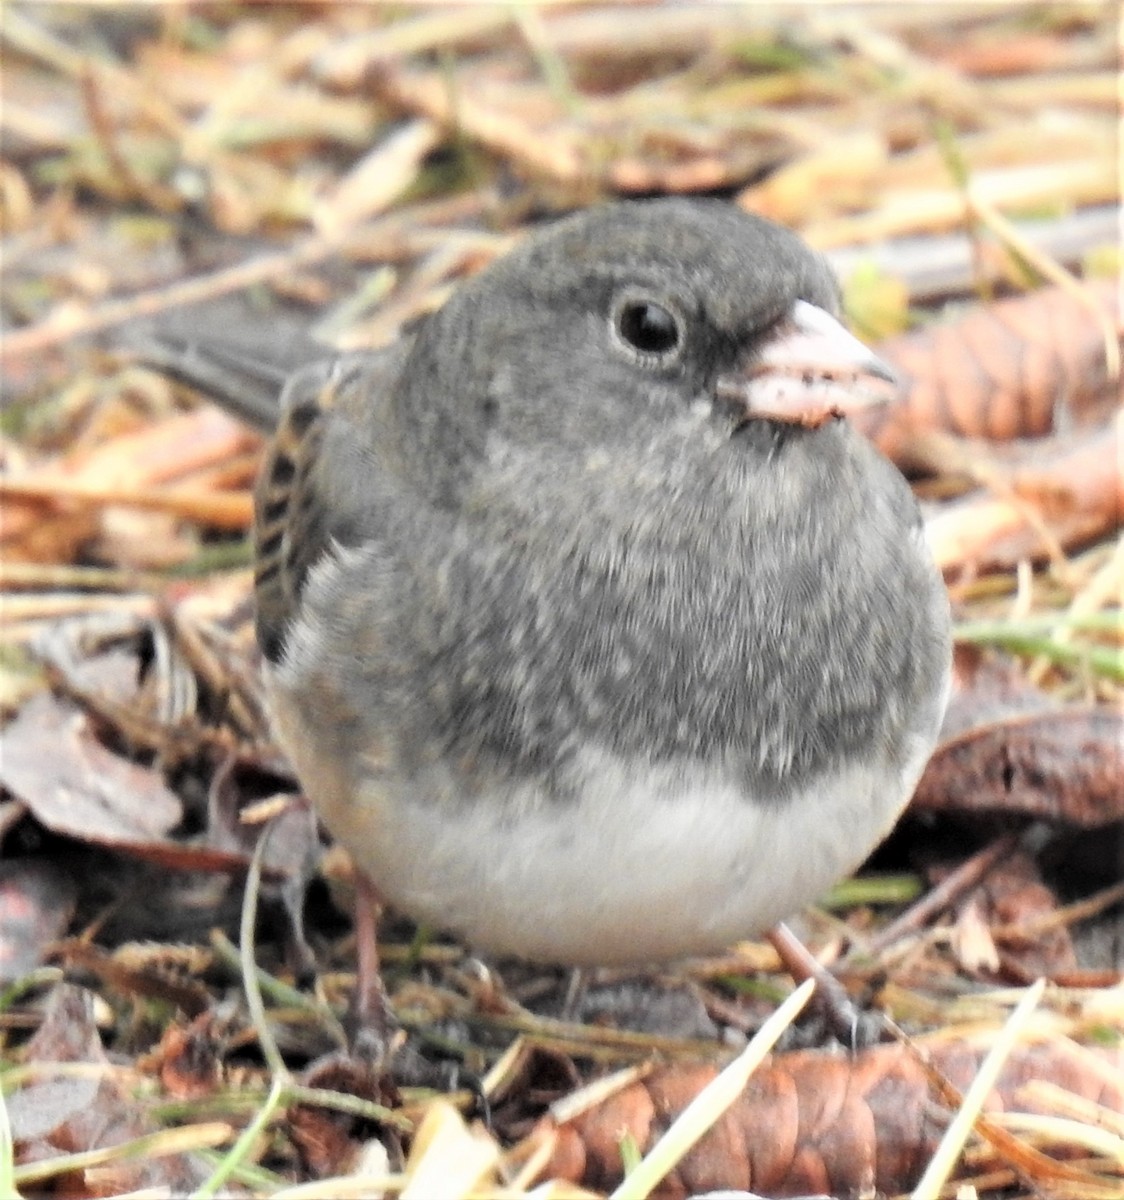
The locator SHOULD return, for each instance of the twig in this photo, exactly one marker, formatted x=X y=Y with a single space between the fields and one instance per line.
x=389 y=232
x=946 y=893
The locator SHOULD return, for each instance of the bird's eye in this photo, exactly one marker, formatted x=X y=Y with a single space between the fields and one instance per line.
x=648 y=328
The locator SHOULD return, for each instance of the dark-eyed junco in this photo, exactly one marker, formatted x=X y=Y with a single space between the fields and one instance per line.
x=594 y=630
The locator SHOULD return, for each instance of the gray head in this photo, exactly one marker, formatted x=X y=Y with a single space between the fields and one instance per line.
x=619 y=327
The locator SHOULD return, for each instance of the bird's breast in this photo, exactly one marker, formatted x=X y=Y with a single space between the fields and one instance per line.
x=661 y=648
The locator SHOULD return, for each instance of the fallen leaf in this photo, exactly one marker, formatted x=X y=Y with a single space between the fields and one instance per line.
x=1062 y=765
x=51 y=759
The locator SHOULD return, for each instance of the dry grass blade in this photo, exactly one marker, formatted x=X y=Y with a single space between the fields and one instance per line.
x=7 y=1150
x=967 y=1116
x=376 y=180
x=221 y=512
x=1050 y=1130
x=67 y=323
x=1054 y=272
x=154 y=1145
x=278 y=1070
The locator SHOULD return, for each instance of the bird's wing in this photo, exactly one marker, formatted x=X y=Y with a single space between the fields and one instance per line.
x=314 y=488
x=318 y=481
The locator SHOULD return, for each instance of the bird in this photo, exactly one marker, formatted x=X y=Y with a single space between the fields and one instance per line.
x=594 y=629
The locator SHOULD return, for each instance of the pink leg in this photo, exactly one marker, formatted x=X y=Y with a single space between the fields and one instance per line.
x=371 y=1015
x=837 y=1008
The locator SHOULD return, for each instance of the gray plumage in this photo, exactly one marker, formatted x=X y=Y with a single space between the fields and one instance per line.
x=517 y=579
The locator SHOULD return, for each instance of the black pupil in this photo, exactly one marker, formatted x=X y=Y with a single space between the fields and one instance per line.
x=648 y=327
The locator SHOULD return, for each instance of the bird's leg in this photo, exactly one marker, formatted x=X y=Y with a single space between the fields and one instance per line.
x=844 y=1019
x=371 y=1021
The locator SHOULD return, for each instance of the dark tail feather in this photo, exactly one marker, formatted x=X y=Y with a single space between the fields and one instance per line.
x=240 y=363
x=247 y=387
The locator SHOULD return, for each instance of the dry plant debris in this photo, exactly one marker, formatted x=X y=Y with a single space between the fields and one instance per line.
x=333 y=170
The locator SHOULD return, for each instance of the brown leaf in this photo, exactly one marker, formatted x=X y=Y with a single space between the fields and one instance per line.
x=52 y=761
x=1011 y=747
x=42 y=1110
x=189 y=1057
x=162 y=685
x=1062 y=765
x=330 y=1141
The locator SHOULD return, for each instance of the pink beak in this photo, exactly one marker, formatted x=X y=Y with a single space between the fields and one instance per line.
x=809 y=369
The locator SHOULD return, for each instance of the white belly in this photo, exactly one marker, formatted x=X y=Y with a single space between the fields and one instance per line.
x=645 y=867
